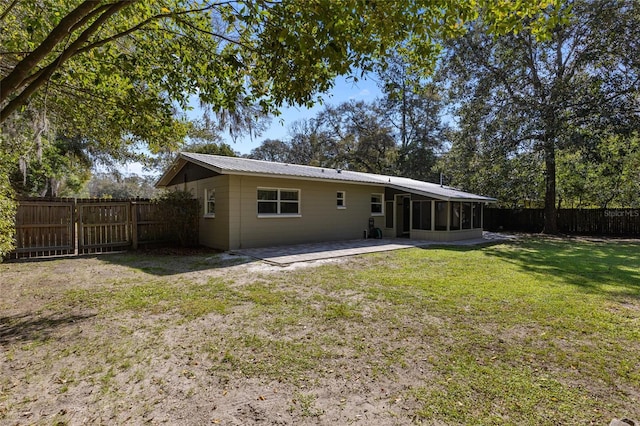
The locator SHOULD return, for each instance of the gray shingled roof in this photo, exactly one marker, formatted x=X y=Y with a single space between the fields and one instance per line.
x=245 y=166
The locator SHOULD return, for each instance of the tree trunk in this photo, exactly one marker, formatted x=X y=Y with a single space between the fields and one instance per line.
x=550 y=210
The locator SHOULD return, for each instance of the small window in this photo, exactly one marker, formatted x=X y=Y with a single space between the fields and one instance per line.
x=210 y=202
x=274 y=202
x=341 y=200
x=376 y=205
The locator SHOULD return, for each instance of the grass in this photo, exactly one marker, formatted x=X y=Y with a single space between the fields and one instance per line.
x=543 y=331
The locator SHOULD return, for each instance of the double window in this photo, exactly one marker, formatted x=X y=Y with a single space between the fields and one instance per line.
x=278 y=202
x=210 y=202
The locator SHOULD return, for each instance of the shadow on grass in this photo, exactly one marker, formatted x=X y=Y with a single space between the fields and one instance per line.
x=173 y=262
x=160 y=261
x=596 y=266
x=26 y=328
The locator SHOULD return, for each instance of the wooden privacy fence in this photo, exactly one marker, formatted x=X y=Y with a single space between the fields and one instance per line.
x=48 y=227
x=613 y=222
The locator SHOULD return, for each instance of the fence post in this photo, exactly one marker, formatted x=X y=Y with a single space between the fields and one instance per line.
x=134 y=225
x=75 y=234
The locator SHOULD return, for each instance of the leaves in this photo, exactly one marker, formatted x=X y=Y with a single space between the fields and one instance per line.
x=530 y=105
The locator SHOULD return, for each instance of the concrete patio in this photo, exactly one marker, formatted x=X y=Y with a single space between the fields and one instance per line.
x=286 y=255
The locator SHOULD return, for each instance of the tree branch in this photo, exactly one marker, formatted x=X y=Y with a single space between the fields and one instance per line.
x=8 y=9
x=12 y=82
x=174 y=15
x=89 y=16
x=45 y=73
x=220 y=36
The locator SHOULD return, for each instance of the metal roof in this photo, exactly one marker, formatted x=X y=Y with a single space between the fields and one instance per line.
x=245 y=166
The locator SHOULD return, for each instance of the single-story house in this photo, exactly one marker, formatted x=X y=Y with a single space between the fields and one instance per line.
x=251 y=203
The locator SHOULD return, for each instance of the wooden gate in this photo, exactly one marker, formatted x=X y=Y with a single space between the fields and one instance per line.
x=103 y=226
x=49 y=227
x=45 y=227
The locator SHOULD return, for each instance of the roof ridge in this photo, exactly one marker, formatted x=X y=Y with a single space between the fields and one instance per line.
x=255 y=160
x=225 y=157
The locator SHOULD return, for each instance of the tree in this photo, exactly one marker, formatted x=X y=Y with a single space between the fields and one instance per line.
x=530 y=95
x=310 y=144
x=117 y=73
x=115 y=185
x=271 y=150
x=61 y=169
x=413 y=107
x=250 y=43
x=351 y=136
x=361 y=138
x=486 y=168
x=601 y=176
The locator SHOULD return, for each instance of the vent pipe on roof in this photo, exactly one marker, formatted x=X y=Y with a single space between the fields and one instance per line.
x=441 y=179
x=338 y=170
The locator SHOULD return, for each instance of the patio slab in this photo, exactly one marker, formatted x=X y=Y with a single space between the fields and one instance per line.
x=286 y=255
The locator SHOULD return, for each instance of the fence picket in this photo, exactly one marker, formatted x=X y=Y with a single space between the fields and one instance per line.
x=607 y=222
x=46 y=227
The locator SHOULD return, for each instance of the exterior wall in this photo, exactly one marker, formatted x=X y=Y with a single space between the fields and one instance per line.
x=319 y=220
x=214 y=231
x=236 y=223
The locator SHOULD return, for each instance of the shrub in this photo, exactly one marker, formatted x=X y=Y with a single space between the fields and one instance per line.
x=180 y=211
x=8 y=207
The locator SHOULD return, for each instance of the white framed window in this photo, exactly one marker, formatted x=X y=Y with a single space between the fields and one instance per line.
x=376 y=205
x=341 y=199
x=278 y=202
x=210 y=202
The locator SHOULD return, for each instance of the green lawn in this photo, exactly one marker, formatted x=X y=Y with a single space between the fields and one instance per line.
x=542 y=331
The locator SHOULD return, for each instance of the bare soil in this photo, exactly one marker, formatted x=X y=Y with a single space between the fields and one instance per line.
x=63 y=362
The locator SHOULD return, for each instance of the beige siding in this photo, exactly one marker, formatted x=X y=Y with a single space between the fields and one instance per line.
x=236 y=223
x=320 y=219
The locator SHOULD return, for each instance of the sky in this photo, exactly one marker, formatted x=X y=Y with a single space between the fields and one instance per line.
x=344 y=90
x=364 y=90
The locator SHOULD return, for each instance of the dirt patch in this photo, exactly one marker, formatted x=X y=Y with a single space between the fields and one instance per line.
x=67 y=360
